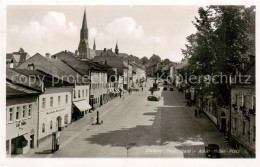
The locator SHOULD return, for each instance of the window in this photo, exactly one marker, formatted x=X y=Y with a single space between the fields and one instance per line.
x=51 y=101
x=29 y=110
x=235 y=123
x=11 y=114
x=17 y=112
x=58 y=100
x=43 y=102
x=51 y=125
x=253 y=134
x=244 y=100
x=244 y=127
x=67 y=99
x=253 y=102
x=74 y=94
x=23 y=111
x=78 y=93
x=86 y=93
x=82 y=93
x=43 y=128
x=235 y=99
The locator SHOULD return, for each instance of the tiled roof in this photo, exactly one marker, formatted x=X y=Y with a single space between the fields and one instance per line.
x=16 y=90
x=14 y=76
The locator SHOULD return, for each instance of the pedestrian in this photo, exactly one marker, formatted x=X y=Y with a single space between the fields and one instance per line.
x=142 y=89
x=120 y=94
x=195 y=113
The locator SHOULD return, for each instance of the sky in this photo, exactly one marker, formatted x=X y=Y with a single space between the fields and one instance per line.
x=139 y=30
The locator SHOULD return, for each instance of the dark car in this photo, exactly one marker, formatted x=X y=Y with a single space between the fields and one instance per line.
x=212 y=151
x=165 y=88
x=153 y=98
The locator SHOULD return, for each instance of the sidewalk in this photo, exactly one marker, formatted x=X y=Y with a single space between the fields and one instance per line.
x=73 y=130
x=210 y=136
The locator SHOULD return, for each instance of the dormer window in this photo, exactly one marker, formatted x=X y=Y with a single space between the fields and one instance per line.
x=30 y=67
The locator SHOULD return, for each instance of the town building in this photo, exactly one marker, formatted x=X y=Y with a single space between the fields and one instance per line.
x=16 y=58
x=21 y=113
x=243 y=114
x=96 y=73
x=55 y=103
x=108 y=57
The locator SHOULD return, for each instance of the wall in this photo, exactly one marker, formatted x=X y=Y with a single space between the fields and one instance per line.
x=48 y=114
x=243 y=123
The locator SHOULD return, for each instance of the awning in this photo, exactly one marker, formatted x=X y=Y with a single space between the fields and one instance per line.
x=82 y=105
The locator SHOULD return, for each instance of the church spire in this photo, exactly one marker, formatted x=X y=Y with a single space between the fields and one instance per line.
x=116 y=49
x=94 y=45
x=83 y=48
x=84 y=21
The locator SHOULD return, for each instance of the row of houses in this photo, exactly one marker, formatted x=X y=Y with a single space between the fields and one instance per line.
x=45 y=94
x=237 y=121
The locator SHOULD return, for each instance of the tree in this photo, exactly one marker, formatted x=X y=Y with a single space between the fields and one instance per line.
x=154 y=59
x=144 y=60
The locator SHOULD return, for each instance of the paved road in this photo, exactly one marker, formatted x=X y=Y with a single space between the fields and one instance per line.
x=135 y=127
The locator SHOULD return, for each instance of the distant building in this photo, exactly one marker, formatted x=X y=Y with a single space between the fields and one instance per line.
x=107 y=56
x=16 y=58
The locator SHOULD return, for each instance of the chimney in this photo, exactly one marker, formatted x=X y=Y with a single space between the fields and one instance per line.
x=47 y=55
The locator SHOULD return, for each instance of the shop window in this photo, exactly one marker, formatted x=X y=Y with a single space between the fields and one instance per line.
x=43 y=102
x=51 y=101
x=67 y=99
x=43 y=128
x=78 y=93
x=86 y=93
x=11 y=114
x=82 y=93
x=29 y=109
x=58 y=100
x=51 y=125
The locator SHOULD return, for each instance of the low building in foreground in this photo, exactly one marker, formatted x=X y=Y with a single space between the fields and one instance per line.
x=21 y=114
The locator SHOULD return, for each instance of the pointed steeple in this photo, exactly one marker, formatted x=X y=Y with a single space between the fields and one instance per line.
x=94 y=45
x=83 y=43
x=84 y=21
x=116 y=49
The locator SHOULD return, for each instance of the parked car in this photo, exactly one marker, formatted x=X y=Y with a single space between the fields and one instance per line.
x=153 y=98
x=165 y=88
x=212 y=151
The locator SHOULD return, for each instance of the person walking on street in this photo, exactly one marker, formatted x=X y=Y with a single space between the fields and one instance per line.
x=195 y=113
x=142 y=89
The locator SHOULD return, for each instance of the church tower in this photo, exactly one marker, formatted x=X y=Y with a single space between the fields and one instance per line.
x=116 y=49
x=83 y=48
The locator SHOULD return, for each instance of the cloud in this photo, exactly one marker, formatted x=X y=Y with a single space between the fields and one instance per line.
x=127 y=30
x=124 y=27
x=53 y=26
